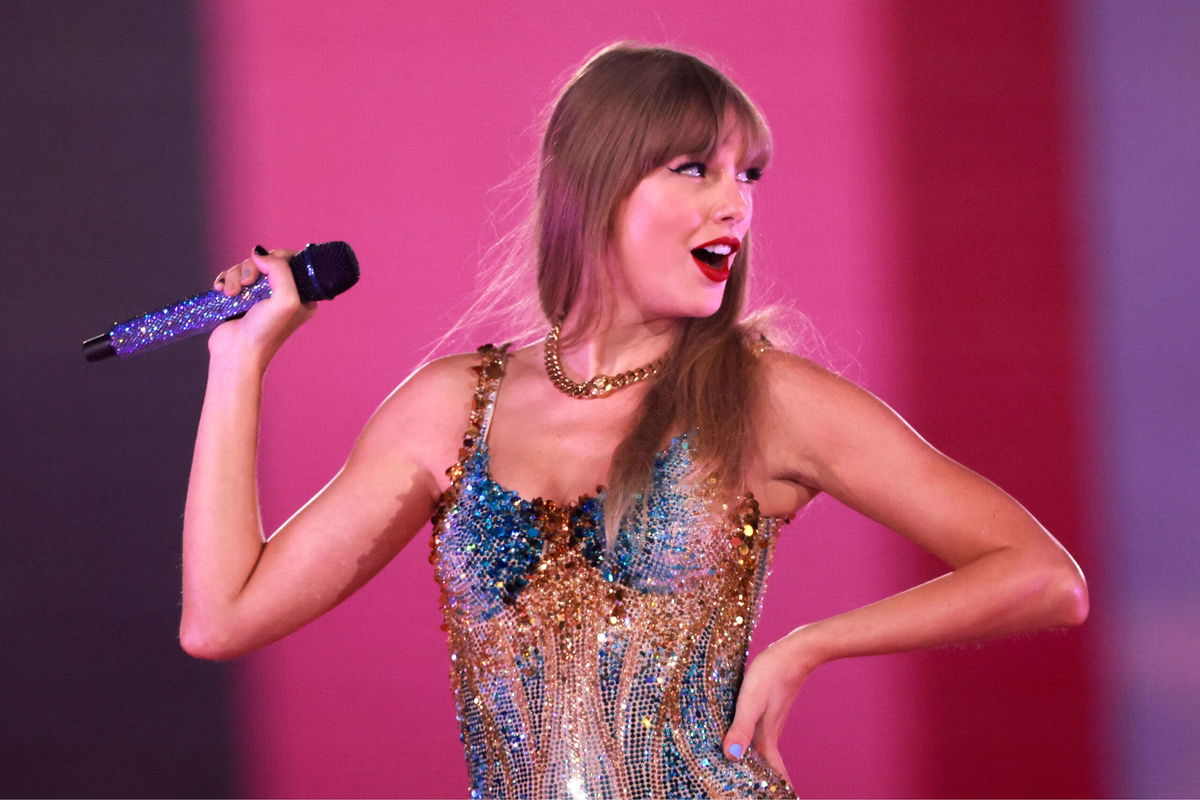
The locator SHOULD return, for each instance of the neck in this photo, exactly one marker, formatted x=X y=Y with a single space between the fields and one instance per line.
x=614 y=345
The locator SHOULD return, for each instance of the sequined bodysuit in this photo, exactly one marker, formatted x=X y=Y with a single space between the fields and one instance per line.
x=581 y=670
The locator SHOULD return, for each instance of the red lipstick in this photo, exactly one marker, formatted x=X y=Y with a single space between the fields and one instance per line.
x=712 y=258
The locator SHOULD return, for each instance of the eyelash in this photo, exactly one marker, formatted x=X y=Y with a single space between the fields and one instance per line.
x=753 y=175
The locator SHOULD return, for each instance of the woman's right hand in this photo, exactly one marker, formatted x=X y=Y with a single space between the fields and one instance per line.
x=266 y=326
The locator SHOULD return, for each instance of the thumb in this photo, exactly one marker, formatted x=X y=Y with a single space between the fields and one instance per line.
x=741 y=731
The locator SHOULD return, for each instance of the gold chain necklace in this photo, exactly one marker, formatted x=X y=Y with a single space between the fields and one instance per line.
x=598 y=386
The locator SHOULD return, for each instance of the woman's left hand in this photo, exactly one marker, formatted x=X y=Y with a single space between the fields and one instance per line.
x=768 y=689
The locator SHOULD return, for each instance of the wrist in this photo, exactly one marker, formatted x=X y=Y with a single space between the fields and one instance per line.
x=805 y=648
x=234 y=364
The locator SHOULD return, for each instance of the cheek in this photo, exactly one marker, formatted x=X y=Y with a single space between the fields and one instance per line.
x=655 y=225
x=666 y=232
x=644 y=239
x=646 y=215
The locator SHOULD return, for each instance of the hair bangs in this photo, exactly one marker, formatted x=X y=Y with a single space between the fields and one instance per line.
x=696 y=114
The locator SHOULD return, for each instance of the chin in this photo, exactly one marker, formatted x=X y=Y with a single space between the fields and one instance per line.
x=700 y=308
x=680 y=303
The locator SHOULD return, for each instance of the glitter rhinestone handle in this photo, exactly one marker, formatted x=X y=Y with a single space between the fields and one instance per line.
x=190 y=317
x=321 y=271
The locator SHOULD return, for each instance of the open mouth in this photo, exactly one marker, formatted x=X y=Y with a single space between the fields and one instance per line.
x=713 y=258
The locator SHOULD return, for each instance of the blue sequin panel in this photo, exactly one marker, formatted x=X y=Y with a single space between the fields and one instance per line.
x=490 y=547
x=492 y=543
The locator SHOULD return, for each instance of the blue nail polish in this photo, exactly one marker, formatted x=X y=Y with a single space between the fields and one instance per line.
x=262 y=251
x=735 y=750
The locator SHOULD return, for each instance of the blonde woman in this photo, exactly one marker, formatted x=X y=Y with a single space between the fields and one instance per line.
x=606 y=501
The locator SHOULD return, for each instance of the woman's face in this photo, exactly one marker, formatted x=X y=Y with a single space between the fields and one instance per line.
x=677 y=234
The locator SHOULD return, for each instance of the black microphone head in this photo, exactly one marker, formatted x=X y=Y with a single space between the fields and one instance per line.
x=324 y=270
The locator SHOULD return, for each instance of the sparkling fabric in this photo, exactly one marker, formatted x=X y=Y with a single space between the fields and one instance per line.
x=581 y=671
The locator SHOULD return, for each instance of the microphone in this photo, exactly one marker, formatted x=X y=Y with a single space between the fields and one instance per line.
x=322 y=271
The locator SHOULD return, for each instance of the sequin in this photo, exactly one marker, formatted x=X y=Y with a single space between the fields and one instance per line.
x=584 y=670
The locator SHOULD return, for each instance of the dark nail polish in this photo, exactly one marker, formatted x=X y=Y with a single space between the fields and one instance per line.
x=262 y=251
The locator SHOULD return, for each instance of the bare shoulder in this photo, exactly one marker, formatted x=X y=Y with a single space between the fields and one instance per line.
x=816 y=417
x=435 y=387
x=524 y=361
x=793 y=382
x=423 y=418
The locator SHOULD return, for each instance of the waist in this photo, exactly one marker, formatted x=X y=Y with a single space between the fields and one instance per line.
x=603 y=711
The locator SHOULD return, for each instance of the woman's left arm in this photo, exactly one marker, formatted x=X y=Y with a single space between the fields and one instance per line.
x=1009 y=575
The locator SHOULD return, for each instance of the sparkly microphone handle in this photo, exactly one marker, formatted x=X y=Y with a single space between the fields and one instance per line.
x=191 y=317
x=321 y=272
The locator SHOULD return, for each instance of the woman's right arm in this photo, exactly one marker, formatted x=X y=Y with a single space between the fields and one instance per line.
x=240 y=593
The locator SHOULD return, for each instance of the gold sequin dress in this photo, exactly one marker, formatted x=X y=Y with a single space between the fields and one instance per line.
x=584 y=671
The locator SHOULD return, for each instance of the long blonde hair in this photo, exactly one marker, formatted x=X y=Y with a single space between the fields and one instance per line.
x=626 y=112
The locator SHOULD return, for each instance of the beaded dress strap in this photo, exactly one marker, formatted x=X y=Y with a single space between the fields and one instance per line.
x=761 y=344
x=490 y=371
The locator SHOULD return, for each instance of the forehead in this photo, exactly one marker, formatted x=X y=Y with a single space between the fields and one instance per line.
x=699 y=131
x=746 y=130
x=734 y=137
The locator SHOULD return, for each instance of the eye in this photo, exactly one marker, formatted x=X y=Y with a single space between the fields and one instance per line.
x=752 y=175
x=693 y=169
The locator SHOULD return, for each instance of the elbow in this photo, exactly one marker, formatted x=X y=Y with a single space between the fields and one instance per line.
x=1052 y=590
x=1075 y=603
x=205 y=644
x=1065 y=594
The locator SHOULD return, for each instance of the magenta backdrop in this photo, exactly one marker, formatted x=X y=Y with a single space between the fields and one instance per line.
x=388 y=125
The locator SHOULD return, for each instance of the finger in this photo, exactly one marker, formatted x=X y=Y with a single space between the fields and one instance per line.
x=222 y=279
x=768 y=750
x=741 y=731
x=274 y=264
x=249 y=273
x=231 y=282
x=766 y=742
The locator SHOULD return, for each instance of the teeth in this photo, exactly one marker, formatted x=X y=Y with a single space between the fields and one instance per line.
x=719 y=249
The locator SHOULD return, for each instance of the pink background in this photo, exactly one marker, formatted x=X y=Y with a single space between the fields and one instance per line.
x=914 y=210
x=988 y=208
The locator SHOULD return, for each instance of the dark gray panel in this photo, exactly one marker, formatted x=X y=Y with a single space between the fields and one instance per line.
x=102 y=218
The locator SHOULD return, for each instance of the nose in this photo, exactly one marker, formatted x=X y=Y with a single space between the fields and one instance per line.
x=732 y=202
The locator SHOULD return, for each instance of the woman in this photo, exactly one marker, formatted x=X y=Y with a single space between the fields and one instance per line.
x=599 y=635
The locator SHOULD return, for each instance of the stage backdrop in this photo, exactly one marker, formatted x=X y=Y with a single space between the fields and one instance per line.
x=987 y=209
x=102 y=214
x=918 y=209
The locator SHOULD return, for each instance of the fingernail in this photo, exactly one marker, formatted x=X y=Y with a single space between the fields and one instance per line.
x=262 y=251
x=735 y=750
